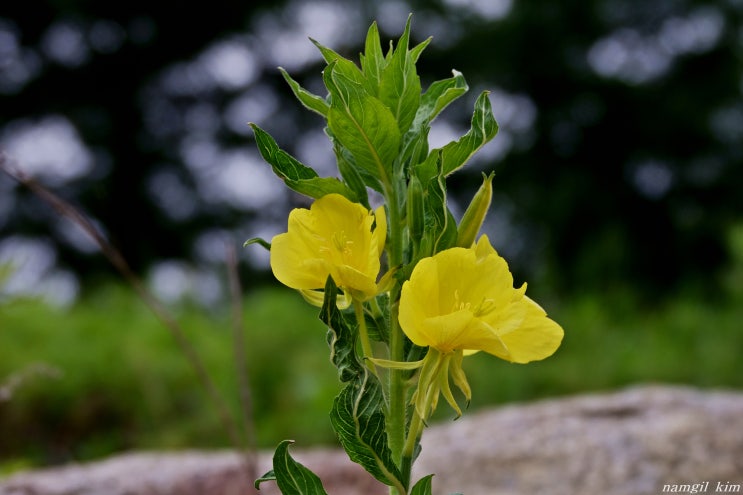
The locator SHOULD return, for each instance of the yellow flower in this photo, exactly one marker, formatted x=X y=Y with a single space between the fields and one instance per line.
x=463 y=299
x=334 y=237
x=460 y=301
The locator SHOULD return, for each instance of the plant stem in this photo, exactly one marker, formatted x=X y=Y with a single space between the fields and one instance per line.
x=397 y=417
x=366 y=347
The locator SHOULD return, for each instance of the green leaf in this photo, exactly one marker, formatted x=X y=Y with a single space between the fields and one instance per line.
x=378 y=325
x=292 y=477
x=423 y=486
x=296 y=175
x=440 y=225
x=358 y=420
x=309 y=100
x=416 y=51
x=269 y=476
x=362 y=124
x=483 y=129
x=253 y=240
x=372 y=62
x=351 y=174
x=341 y=336
x=348 y=68
x=400 y=86
x=439 y=95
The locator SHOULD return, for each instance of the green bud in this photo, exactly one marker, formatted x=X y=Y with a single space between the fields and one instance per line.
x=475 y=215
x=415 y=214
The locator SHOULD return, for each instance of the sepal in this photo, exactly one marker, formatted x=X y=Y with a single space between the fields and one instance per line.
x=474 y=216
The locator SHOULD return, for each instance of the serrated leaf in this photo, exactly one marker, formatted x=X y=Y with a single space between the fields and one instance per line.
x=341 y=336
x=483 y=129
x=309 y=100
x=359 y=422
x=292 y=477
x=296 y=175
x=400 y=87
x=362 y=124
x=423 y=486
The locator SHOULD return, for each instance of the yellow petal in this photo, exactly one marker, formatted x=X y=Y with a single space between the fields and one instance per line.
x=334 y=237
x=296 y=266
x=464 y=300
x=380 y=231
x=537 y=338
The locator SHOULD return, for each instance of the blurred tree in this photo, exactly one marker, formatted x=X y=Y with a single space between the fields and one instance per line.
x=617 y=164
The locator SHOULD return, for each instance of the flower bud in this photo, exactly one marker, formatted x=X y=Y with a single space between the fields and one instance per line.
x=415 y=213
x=475 y=215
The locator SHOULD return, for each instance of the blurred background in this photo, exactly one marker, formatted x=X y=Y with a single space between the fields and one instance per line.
x=617 y=197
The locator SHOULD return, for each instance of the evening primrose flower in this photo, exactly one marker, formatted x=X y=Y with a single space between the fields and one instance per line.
x=461 y=301
x=335 y=237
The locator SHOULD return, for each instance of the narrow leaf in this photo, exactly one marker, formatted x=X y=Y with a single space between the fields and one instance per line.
x=373 y=60
x=348 y=68
x=400 y=85
x=292 y=477
x=309 y=100
x=351 y=174
x=341 y=336
x=440 y=225
x=284 y=165
x=358 y=420
x=295 y=174
x=269 y=476
x=258 y=240
x=320 y=186
x=362 y=124
x=439 y=95
x=423 y=486
x=345 y=160
x=416 y=51
x=483 y=129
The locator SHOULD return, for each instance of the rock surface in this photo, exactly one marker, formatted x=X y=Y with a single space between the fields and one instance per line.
x=631 y=442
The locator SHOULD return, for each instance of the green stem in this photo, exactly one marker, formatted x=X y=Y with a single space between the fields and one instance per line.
x=366 y=347
x=416 y=427
x=396 y=396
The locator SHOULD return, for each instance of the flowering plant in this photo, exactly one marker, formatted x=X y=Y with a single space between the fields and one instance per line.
x=405 y=291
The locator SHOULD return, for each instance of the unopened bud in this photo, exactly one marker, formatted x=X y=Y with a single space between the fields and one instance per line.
x=475 y=215
x=415 y=212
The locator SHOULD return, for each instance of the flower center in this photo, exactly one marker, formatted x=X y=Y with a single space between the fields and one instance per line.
x=338 y=248
x=484 y=307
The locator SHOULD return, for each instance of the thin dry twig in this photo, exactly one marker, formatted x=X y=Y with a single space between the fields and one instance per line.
x=241 y=362
x=114 y=256
x=20 y=377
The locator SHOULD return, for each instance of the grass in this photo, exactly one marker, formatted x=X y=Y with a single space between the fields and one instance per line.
x=118 y=381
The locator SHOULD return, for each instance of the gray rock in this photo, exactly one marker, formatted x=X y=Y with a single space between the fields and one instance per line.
x=631 y=442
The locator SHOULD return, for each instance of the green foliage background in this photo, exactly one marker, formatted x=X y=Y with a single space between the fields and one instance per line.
x=124 y=384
